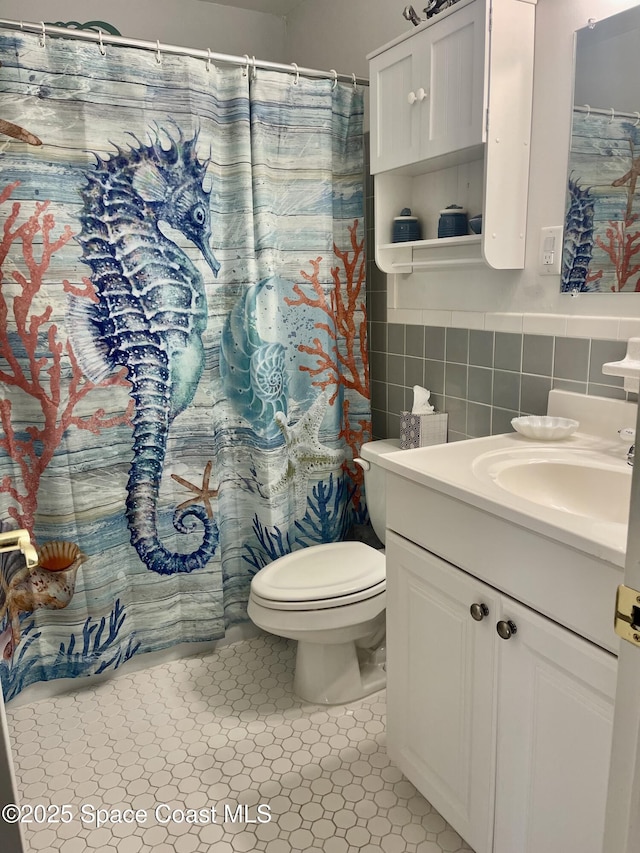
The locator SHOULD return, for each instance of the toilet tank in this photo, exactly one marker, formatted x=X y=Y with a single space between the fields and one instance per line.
x=375 y=480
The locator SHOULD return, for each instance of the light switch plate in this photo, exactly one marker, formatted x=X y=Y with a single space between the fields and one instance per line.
x=550 y=251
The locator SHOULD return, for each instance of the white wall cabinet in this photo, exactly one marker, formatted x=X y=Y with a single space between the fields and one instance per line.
x=428 y=91
x=508 y=738
x=450 y=124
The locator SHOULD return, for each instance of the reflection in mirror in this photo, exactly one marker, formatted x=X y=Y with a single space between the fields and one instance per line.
x=602 y=222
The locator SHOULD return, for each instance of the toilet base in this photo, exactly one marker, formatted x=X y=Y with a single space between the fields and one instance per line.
x=331 y=674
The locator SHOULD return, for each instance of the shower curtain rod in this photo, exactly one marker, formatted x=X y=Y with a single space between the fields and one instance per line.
x=611 y=113
x=223 y=58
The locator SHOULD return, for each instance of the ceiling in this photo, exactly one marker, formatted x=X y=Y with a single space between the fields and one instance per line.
x=281 y=8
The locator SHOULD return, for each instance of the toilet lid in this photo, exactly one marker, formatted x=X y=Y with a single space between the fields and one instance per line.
x=321 y=572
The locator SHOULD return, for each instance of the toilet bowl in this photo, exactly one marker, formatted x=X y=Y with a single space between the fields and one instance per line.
x=331 y=599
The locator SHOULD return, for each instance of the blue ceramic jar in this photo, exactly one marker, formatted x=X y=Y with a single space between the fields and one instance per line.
x=406 y=227
x=453 y=222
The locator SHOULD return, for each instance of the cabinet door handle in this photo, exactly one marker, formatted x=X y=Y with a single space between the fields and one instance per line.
x=412 y=97
x=478 y=611
x=506 y=629
x=422 y=94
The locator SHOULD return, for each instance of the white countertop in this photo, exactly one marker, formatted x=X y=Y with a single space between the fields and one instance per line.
x=458 y=470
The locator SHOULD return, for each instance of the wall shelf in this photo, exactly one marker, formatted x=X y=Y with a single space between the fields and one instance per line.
x=450 y=124
x=436 y=253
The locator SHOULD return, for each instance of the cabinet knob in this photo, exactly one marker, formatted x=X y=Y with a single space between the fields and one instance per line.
x=422 y=94
x=479 y=611
x=506 y=629
x=412 y=97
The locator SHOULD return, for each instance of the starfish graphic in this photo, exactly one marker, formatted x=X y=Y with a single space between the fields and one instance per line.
x=305 y=455
x=202 y=493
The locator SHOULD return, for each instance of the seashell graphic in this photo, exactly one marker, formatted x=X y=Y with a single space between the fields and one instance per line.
x=57 y=555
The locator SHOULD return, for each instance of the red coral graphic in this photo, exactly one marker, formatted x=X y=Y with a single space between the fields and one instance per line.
x=623 y=244
x=38 y=373
x=338 y=367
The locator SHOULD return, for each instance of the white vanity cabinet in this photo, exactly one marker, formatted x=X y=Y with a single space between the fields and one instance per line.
x=450 y=124
x=508 y=738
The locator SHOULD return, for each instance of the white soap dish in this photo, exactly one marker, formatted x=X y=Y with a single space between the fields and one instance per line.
x=545 y=428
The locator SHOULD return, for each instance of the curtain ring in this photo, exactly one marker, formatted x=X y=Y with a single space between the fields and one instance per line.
x=335 y=78
x=245 y=68
x=613 y=115
x=637 y=121
x=588 y=109
x=297 y=78
x=355 y=85
x=100 y=42
x=254 y=72
x=591 y=23
x=42 y=34
x=208 y=59
x=158 y=57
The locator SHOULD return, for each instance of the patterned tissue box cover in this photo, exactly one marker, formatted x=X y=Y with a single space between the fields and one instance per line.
x=422 y=430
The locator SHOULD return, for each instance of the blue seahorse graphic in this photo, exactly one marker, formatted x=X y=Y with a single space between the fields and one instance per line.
x=150 y=313
x=578 y=238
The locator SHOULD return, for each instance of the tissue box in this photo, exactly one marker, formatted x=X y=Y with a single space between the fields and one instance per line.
x=422 y=430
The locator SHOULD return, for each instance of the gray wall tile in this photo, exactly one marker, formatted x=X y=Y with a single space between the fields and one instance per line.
x=567 y=385
x=606 y=391
x=501 y=421
x=434 y=376
x=601 y=352
x=457 y=345
x=478 y=419
x=395 y=338
x=413 y=371
x=434 y=342
x=379 y=395
x=571 y=359
x=414 y=340
x=379 y=423
x=508 y=351
x=393 y=426
x=481 y=348
x=457 y=411
x=395 y=369
x=506 y=389
x=395 y=397
x=378 y=306
x=378 y=337
x=378 y=366
x=455 y=380
x=537 y=354
x=480 y=384
x=534 y=394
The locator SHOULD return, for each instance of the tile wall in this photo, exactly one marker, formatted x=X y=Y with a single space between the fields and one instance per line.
x=482 y=378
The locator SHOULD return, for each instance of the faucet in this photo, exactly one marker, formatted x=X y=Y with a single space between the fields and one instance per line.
x=628 y=433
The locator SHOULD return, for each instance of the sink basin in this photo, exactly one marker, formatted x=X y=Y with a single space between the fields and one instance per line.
x=577 y=483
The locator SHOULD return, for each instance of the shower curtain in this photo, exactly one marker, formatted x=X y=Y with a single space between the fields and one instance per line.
x=183 y=362
x=602 y=227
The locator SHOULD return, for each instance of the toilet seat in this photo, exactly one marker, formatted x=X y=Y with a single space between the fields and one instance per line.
x=325 y=576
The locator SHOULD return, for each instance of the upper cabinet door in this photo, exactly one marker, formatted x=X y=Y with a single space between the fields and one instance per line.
x=457 y=82
x=428 y=90
x=395 y=129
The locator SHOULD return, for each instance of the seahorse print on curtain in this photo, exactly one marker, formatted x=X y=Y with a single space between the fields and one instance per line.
x=149 y=315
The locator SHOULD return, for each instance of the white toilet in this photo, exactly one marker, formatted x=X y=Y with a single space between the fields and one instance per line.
x=331 y=599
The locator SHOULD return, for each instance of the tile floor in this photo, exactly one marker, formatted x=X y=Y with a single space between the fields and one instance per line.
x=218 y=729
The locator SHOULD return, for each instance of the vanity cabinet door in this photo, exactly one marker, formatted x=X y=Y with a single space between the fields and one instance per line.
x=440 y=685
x=428 y=91
x=555 y=712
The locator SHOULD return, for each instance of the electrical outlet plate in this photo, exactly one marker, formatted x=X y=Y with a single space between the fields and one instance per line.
x=550 y=250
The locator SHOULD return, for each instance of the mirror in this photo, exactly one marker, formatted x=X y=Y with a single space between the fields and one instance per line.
x=601 y=251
